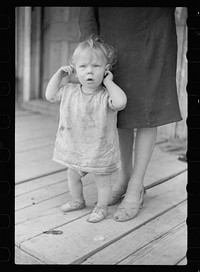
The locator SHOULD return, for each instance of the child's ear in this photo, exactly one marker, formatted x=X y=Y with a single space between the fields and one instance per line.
x=75 y=73
x=73 y=68
x=108 y=66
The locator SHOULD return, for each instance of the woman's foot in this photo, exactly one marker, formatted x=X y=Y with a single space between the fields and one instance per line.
x=98 y=214
x=127 y=210
x=72 y=206
x=116 y=196
x=119 y=189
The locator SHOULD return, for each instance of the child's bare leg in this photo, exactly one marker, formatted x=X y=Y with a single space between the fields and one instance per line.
x=100 y=212
x=103 y=183
x=75 y=185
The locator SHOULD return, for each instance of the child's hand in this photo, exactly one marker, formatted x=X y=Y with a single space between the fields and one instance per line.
x=66 y=70
x=108 y=77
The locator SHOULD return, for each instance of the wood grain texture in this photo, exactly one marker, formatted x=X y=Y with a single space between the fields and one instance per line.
x=135 y=241
x=166 y=250
x=77 y=242
x=41 y=188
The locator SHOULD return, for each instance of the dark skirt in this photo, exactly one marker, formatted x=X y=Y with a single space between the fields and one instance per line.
x=146 y=43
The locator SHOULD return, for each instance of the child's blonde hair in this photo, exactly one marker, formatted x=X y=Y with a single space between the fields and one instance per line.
x=95 y=43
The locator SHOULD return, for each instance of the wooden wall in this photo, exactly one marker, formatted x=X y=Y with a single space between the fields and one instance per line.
x=22 y=52
x=60 y=37
x=181 y=16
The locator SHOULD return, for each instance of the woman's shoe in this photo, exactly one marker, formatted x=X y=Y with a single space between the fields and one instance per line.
x=116 y=196
x=73 y=206
x=128 y=210
x=98 y=214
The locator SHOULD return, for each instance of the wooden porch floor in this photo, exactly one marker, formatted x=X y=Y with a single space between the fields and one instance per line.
x=157 y=236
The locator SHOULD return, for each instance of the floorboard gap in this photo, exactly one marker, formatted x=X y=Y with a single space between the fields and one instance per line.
x=41 y=176
x=85 y=257
x=164 y=179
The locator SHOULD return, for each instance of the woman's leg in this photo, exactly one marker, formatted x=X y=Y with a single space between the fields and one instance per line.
x=145 y=141
x=144 y=145
x=133 y=200
x=126 y=138
x=75 y=185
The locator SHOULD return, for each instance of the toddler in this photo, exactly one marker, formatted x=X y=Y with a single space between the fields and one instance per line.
x=87 y=138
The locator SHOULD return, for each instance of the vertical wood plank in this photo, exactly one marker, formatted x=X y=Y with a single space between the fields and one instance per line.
x=181 y=127
x=19 y=50
x=27 y=54
x=60 y=31
x=35 y=52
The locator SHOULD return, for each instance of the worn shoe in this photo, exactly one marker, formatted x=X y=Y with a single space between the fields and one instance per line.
x=72 y=206
x=128 y=210
x=97 y=215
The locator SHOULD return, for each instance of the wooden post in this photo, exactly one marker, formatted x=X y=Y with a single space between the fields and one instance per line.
x=27 y=54
x=19 y=50
x=181 y=127
x=35 y=53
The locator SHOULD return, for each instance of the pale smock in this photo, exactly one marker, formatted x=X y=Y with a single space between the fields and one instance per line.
x=87 y=137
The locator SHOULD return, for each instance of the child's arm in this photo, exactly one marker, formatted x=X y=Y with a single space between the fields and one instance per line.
x=117 y=95
x=54 y=83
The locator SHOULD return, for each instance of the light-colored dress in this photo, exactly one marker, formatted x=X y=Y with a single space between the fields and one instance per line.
x=87 y=137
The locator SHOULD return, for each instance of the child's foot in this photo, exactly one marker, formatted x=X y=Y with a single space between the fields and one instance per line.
x=72 y=206
x=98 y=214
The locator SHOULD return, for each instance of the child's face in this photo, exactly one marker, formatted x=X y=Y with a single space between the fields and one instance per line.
x=90 y=68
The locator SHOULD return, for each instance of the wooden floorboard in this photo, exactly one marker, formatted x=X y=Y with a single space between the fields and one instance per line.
x=42 y=106
x=34 y=142
x=39 y=154
x=41 y=188
x=34 y=133
x=22 y=257
x=34 y=126
x=183 y=261
x=162 y=251
x=35 y=184
x=131 y=244
x=36 y=169
x=22 y=113
x=35 y=162
x=77 y=242
x=57 y=187
x=156 y=173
